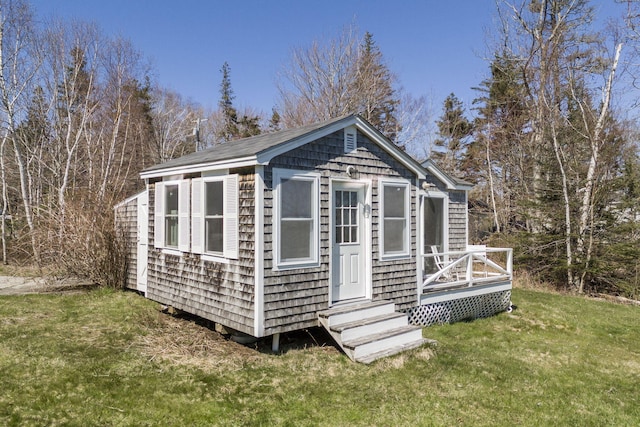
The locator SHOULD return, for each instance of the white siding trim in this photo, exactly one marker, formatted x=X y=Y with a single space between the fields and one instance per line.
x=197 y=216
x=230 y=218
x=183 y=216
x=201 y=167
x=258 y=318
x=158 y=215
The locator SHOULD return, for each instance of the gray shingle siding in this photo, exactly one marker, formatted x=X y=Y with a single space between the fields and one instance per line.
x=221 y=292
x=293 y=297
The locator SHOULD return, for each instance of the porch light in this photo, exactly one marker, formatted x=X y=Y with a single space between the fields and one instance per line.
x=426 y=186
x=351 y=171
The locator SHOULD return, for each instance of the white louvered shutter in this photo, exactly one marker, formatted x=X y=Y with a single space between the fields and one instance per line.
x=158 y=216
x=183 y=216
x=197 y=216
x=231 y=216
x=350 y=141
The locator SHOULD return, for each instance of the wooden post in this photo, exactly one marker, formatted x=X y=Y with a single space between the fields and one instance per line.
x=275 y=343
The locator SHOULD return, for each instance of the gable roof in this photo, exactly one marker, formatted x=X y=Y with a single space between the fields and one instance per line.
x=452 y=182
x=259 y=150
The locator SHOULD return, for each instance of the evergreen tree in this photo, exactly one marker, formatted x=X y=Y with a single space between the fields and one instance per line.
x=234 y=127
x=497 y=159
x=229 y=129
x=454 y=131
x=373 y=94
x=275 y=122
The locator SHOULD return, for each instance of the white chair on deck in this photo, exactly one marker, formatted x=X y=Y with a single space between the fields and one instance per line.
x=479 y=251
x=441 y=264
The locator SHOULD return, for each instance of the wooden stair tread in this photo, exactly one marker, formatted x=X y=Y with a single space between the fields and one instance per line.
x=352 y=307
x=379 y=336
x=394 y=350
x=366 y=321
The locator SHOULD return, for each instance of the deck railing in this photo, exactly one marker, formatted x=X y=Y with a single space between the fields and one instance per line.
x=476 y=266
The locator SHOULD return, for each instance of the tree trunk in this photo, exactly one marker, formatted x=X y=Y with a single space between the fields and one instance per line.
x=586 y=214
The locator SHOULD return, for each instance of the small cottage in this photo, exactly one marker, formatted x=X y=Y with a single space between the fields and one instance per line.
x=329 y=224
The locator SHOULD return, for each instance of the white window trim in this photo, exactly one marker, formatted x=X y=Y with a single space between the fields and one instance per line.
x=183 y=216
x=435 y=194
x=407 y=217
x=314 y=260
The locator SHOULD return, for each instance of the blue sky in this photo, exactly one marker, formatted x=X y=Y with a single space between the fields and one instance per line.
x=434 y=46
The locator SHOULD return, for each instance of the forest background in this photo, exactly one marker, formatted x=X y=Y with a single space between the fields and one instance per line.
x=550 y=140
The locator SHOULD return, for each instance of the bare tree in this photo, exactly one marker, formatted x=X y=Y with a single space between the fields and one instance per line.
x=19 y=64
x=315 y=85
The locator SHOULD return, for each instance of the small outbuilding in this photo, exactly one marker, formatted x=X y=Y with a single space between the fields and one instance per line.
x=328 y=224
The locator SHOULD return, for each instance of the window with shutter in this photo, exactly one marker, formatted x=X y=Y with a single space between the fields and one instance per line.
x=215 y=223
x=171 y=215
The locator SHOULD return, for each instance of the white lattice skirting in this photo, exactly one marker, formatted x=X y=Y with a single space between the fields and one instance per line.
x=472 y=307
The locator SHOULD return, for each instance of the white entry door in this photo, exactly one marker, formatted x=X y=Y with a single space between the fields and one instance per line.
x=143 y=241
x=348 y=278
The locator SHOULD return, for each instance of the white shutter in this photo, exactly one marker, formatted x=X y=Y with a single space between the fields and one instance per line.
x=350 y=141
x=231 y=216
x=197 y=216
x=183 y=216
x=158 y=215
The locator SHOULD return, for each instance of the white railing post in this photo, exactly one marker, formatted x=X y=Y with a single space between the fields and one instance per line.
x=470 y=268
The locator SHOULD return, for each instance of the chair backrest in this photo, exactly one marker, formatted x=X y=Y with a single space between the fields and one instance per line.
x=478 y=250
x=436 y=258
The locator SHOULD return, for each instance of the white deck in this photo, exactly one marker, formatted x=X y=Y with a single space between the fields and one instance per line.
x=449 y=276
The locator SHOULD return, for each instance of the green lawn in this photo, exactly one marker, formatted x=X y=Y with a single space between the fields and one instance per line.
x=111 y=358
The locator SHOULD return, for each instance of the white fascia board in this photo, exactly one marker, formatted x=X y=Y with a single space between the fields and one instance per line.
x=388 y=146
x=266 y=156
x=129 y=199
x=435 y=171
x=201 y=167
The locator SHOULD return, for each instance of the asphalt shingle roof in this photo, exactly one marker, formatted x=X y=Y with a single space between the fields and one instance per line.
x=244 y=147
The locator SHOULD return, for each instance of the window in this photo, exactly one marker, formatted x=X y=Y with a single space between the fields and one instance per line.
x=214 y=216
x=171 y=215
x=395 y=219
x=296 y=218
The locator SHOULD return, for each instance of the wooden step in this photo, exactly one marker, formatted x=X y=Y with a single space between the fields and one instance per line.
x=364 y=346
x=394 y=350
x=355 y=312
x=370 y=325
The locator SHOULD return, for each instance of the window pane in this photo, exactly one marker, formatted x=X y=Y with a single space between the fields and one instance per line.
x=296 y=198
x=433 y=223
x=354 y=198
x=214 y=198
x=338 y=234
x=171 y=200
x=214 y=235
x=338 y=199
x=295 y=240
x=394 y=232
x=171 y=231
x=394 y=201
